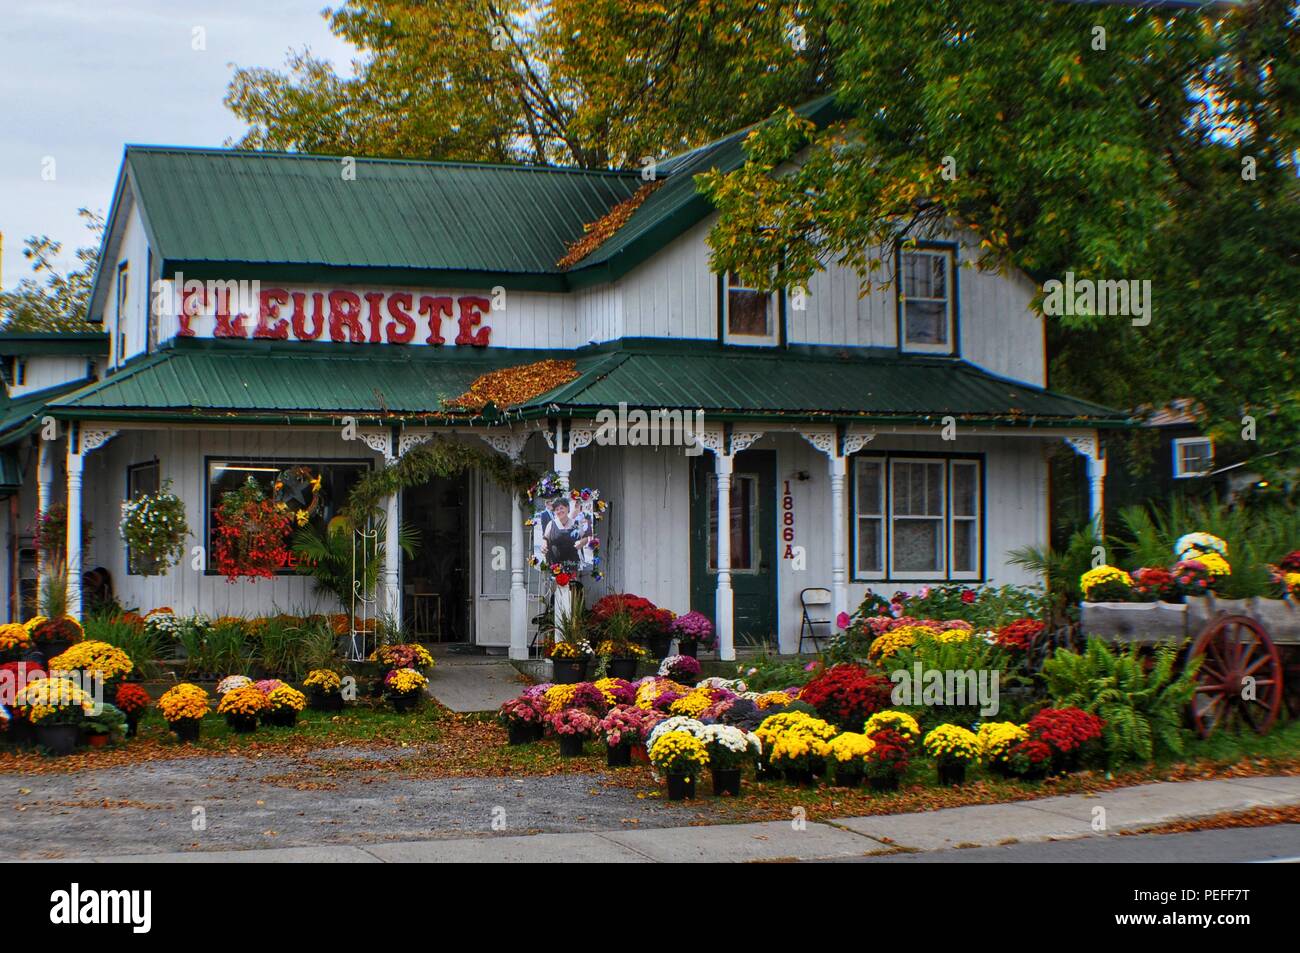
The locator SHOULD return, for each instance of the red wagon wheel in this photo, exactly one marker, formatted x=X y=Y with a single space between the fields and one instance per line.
x=1240 y=676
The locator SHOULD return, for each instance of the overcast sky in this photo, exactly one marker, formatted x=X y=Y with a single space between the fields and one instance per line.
x=81 y=78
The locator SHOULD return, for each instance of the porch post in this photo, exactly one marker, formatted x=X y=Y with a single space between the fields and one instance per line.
x=393 y=559
x=838 y=448
x=839 y=526
x=1089 y=447
x=75 y=464
x=512 y=445
x=724 y=604
x=44 y=484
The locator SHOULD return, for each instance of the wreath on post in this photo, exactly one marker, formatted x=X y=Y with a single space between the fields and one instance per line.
x=251 y=534
x=297 y=490
x=154 y=527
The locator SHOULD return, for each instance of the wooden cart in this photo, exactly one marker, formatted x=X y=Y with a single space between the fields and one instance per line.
x=1246 y=647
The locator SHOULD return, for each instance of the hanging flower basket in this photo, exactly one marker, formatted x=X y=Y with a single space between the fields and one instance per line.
x=251 y=534
x=154 y=527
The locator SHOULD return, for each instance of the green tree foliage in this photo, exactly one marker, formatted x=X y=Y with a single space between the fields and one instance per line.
x=54 y=300
x=588 y=82
x=1106 y=141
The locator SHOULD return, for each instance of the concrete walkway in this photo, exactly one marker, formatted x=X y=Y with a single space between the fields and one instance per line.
x=1047 y=819
x=474 y=683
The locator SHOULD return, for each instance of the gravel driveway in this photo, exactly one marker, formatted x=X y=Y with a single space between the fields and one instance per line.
x=331 y=796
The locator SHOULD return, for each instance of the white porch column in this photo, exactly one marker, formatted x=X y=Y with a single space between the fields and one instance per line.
x=44 y=485
x=724 y=604
x=512 y=445
x=1089 y=447
x=75 y=464
x=393 y=559
x=838 y=449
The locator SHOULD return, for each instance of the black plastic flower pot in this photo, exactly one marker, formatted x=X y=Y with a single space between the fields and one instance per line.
x=569 y=671
x=726 y=781
x=687 y=647
x=571 y=746
x=848 y=779
x=405 y=701
x=282 y=719
x=22 y=732
x=884 y=782
x=51 y=648
x=624 y=668
x=325 y=701
x=186 y=729
x=952 y=774
x=132 y=724
x=58 y=740
x=681 y=787
x=659 y=645
x=521 y=733
x=619 y=756
x=242 y=724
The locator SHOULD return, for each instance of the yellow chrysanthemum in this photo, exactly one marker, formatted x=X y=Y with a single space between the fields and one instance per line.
x=850 y=746
x=997 y=738
x=184 y=701
x=899 y=721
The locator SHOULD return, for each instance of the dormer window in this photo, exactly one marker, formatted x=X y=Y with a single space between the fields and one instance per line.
x=926 y=301
x=749 y=315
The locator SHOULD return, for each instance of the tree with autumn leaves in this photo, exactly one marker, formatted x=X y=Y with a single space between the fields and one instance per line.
x=1111 y=141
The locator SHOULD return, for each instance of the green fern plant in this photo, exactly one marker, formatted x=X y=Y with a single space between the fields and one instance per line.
x=1142 y=700
x=327 y=556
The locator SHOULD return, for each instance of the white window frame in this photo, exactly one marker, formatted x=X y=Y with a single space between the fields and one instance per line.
x=859 y=516
x=773 y=314
x=949 y=264
x=1179 y=443
x=946 y=573
x=977 y=518
x=941 y=519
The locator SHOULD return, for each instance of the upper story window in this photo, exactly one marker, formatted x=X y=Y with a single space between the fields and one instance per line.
x=123 y=272
x=749 y=315
x=1193 y=457
x=927 y=305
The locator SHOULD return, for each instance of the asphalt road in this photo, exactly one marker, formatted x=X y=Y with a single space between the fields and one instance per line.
x=1238 y=845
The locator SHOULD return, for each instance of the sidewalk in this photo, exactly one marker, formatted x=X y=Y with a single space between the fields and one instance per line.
x=1055 y=818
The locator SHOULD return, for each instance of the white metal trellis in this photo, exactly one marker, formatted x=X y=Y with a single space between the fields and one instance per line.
x=366 y=539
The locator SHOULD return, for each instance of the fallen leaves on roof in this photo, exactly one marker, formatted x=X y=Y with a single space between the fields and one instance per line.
x=604 y=228
x=511 y=386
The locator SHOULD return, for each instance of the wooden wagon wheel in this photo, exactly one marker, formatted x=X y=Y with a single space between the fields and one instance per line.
x=1234 y=649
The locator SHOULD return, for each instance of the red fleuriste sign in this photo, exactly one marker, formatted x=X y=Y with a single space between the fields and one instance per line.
x=373 y=317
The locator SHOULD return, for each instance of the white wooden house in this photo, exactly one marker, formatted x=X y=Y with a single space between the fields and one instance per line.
x=880 y=440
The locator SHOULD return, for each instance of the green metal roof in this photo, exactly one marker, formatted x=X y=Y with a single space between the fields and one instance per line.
x=21 y=415
x=11 y=474
x=275 y=382
x=53 y=342
x=263 y=208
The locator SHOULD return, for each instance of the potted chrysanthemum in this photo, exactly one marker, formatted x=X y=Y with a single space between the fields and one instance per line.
x=730 y=749
x=848 y=752
x=324 y=690
x=886 y=762
x=626 y=727
x=404 y=687
x=132 y=700
x=953 y=748
x=95 y=661
x=183 y=707
x=243 y=707
x=573 y=726
x=680 y=757
x=692 y=630
x=283 y=703
x=522 y=719
x=57 y=707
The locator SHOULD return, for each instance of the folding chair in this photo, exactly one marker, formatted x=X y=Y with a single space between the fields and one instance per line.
x=819 y=600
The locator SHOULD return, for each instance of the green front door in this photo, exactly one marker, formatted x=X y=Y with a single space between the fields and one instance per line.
x=753 y=542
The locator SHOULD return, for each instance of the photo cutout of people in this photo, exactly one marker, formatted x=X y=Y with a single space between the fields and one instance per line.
x=563 y=532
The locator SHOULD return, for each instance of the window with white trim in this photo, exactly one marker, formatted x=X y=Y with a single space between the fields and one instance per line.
x=917 y=518
x=1193 y=457
x=749 y=315
x=926 y=306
